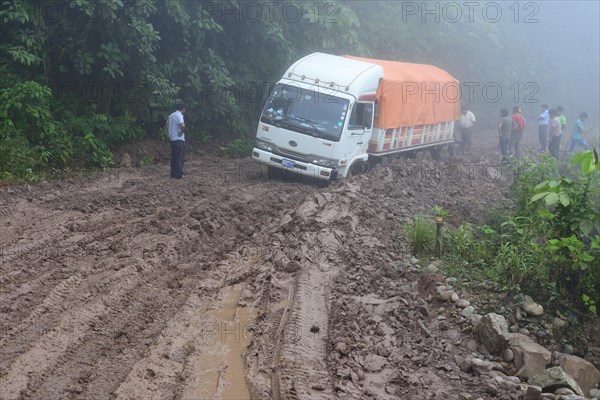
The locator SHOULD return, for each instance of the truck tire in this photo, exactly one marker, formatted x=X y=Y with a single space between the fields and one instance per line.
x=357 y=168
x=436 y=153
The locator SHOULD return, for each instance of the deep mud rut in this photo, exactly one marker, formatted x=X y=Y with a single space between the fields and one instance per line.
x=228 y=284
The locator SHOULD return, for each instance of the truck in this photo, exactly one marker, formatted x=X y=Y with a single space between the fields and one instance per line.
x=332 y=117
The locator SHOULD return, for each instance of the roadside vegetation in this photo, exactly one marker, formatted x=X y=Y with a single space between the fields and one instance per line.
x=79 y=79
x=547 y=246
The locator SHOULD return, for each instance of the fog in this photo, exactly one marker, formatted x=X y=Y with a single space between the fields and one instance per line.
x=510 y=53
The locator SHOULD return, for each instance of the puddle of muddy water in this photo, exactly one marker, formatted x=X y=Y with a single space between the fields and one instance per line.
x=220 y=361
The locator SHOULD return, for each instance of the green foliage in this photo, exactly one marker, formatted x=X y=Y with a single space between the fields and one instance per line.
x=239 y=148
x=552 y=243
x=123 y=65
x=589 y=303
x=466 y=244
x=421 y=235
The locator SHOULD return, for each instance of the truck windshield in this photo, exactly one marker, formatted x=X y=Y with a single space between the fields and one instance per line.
x=306 y=111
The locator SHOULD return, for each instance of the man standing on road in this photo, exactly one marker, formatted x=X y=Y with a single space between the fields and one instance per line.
x=516 y=133
x=504 y=128
x=175 y=128
x=563 y=123
x=543 y=120
x=467 y=126
x=554 y=133
x=578 y=131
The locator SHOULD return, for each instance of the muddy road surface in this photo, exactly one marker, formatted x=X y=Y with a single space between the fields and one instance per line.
x=228 y=284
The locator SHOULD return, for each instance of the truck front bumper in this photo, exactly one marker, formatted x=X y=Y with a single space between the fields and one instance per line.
x=299 y=167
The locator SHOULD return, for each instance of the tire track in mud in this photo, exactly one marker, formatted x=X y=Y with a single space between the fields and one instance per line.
x=103 y=302
x=288 y=357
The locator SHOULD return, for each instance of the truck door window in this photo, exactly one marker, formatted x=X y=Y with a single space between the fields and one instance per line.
x=361 y=117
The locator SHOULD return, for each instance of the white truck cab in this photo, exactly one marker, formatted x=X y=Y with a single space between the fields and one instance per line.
x=319 y=119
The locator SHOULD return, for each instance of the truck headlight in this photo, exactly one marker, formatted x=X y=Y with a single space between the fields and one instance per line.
x=264 y=146
x=327 y=163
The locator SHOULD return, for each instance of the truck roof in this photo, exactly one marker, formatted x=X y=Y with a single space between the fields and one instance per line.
x=327 y=71
x=408 y=94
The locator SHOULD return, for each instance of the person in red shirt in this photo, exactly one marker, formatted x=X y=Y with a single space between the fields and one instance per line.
x=517 y=131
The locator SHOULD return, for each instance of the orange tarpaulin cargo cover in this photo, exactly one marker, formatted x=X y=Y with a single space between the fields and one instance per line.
x=414 y=94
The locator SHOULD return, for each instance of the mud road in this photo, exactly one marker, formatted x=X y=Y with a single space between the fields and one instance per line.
x=229 y=284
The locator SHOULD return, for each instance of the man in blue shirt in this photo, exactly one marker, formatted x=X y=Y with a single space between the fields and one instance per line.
x=577 y=138
x=175 y=128
x=543 y=120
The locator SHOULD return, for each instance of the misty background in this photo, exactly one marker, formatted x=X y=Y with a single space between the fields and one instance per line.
x=81 y=78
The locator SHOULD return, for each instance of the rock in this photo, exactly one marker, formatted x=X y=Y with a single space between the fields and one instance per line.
x=513 y=379
x=461 y=303
x=524 y=331
x=555 y=378
x=541 y=333
x=374 y=363
x=454 y=297
x=432 y=268
x=595 y=393
x=518 y=314
x=472 y=345
x=559 y=323
x=508 y=355
x=563 y=391
x=481 y=367
x=465 y=396
x=342 y=348
x=126 y=161
x=466 y=364
x=533 y=309
x=530 y=358
x=447 y=295
x=474 y=319
x=467 y=311
x=491 y=389
x=492 y=332
x=533 y=393
x=414 y=260
x=568 y=349
x=584 y=373
x=292 y=267
x=548 y=396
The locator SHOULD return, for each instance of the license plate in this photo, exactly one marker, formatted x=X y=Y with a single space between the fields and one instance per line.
x=288 y=163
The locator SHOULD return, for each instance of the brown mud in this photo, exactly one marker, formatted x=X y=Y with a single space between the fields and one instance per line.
x=229 y=284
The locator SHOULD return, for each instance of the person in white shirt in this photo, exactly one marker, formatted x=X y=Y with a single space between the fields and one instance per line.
x=175 y=128
x=467 y=127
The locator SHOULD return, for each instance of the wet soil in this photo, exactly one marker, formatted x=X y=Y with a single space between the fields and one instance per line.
x=230 y=284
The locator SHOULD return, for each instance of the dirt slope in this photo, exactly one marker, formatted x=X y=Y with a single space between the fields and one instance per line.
x=225 y=285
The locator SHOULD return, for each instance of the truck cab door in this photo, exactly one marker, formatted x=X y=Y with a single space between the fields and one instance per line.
x=360 y=126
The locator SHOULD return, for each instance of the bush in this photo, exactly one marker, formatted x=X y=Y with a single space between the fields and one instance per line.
x=421 y=235
x=239 y=148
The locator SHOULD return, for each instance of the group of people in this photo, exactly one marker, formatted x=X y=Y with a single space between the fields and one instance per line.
x=511 y=130
x=552 y=123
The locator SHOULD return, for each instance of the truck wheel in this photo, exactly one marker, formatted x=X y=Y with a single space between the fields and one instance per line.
x=436 y=153
x=357 y=168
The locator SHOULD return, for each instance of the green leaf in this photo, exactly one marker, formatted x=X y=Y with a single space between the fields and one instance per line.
x=539 y=196
x=553 y=184
x=564 y=199
x=541 y=185
x=551 y=199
